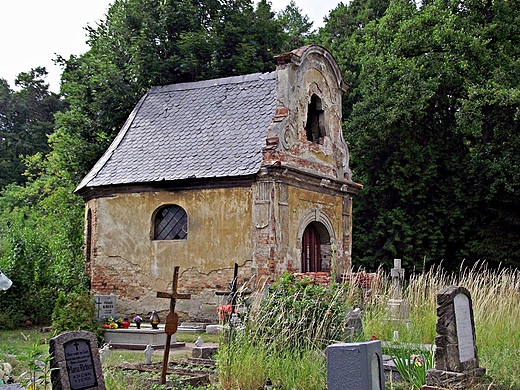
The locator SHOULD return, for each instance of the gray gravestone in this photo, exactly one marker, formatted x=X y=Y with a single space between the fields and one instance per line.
x=456 y=359
x=75 y=362
x=354 y=326
x=105 y=306
x=397 y=307
x=355 y=366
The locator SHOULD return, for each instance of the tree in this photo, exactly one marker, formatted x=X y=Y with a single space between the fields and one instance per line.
x=433 y=135
x=297 y=27
x=343 y=34
x=26 y=119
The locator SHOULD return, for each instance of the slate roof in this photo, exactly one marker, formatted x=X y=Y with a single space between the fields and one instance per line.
x=212 y=128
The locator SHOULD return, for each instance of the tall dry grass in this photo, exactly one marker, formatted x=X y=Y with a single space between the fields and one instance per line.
x=495 y=295
x=496 y=305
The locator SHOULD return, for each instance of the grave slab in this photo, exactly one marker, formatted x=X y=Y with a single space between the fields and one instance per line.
x=191 y=327
x=139 y=339
x=214 y=329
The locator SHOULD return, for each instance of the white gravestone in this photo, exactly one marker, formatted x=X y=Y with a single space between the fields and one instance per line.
x=105 y=306
x=465 y=333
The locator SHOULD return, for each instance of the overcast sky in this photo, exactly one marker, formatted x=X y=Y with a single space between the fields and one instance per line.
x=32 y=31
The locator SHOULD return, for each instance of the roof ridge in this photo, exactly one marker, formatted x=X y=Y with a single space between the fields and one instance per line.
x=213 y=82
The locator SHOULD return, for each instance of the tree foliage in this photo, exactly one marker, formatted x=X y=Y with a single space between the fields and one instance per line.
x=432 y=132
x=26 y=119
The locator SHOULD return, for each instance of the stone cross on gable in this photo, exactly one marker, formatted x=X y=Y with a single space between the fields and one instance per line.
x=172 y=319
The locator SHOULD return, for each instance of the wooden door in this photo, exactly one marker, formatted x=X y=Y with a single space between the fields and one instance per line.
x=311 y=250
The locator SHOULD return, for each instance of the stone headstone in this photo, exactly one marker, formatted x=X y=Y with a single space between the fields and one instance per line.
x=397 y=307
x=354 y=325
x=75 y=363
x=355 y=366
x=456 y=358
x=204 y=352
x=397 y=274
x=105 y=306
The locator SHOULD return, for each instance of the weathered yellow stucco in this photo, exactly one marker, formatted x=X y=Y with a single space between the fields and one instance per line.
x=125 y=227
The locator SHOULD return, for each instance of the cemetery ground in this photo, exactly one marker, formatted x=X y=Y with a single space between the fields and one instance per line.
x=287 y=335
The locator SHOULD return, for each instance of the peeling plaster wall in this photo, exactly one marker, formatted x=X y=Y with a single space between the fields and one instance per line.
x=279 y=222
x=129 y=264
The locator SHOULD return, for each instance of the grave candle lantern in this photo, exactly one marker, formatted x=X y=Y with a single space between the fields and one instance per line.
x=154 y=320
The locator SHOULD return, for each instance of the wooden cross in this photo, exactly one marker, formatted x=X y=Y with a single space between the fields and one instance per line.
x=232 y=289
x=172 y=319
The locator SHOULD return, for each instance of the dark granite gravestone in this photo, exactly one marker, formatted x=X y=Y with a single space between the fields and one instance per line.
x=456 y=360
x=355 y=366
x=75 y=362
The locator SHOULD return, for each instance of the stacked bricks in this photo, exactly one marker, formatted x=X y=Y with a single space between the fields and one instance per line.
x=319 y=278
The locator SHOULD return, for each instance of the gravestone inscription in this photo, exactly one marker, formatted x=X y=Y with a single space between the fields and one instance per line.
x=465 y=330
x=75 y=362
x=456 y=358
x=105 y=306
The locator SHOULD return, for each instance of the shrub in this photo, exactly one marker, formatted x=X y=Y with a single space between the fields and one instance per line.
x=297 y=313
x=75 y=311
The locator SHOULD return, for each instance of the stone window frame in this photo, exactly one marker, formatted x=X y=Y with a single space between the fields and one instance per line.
x=176 y=218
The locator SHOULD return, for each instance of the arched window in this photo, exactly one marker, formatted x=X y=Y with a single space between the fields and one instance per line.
x=170 y=223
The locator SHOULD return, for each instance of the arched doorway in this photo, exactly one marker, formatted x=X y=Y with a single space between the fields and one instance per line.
x=316 y=248
x=316 y=240
x=311 y=249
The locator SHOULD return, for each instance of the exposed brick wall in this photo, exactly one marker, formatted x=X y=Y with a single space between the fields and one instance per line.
x=319 y=278
x=365 y=281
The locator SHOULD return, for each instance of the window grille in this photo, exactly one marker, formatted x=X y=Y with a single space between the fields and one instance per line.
x=171 y=223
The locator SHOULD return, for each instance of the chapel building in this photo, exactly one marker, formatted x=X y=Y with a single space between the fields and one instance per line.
x=251 y=169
